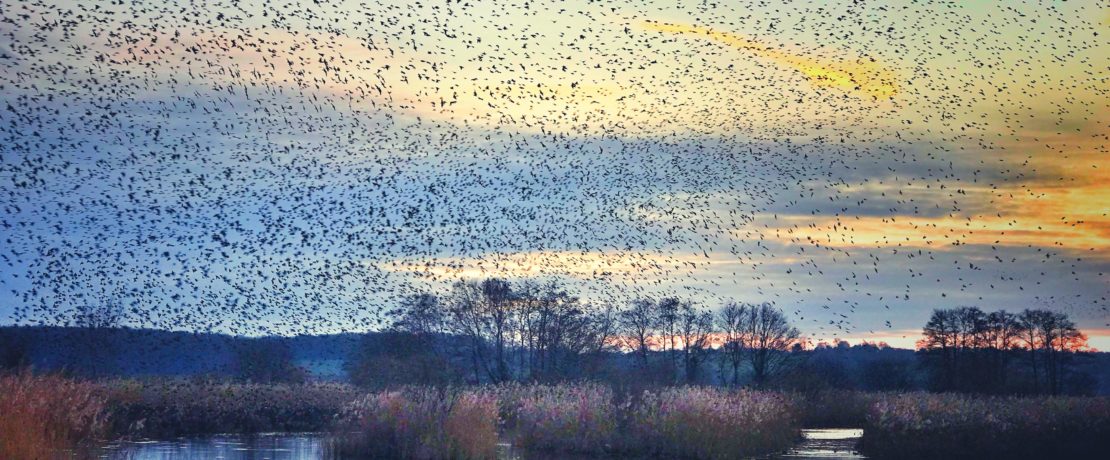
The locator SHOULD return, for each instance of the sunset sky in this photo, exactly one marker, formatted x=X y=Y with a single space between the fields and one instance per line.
x=246 y=169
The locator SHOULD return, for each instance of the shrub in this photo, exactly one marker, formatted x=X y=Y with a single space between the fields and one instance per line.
x=424 y=423
x=920 y=425
x=694 y=422
x=42 y=416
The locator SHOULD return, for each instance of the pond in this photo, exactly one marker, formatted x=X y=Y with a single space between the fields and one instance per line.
x=817 y=444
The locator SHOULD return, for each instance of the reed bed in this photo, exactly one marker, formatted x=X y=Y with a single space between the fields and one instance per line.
x=421 y=423
x=168 y=408
x=562 y=418
x=695 y=422
x=922 y=425
x=47 y=416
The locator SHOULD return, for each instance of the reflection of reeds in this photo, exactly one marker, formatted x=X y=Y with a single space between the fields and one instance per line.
x=44 y=415
x=162 y=408
x=922 y=425
x=424 y=423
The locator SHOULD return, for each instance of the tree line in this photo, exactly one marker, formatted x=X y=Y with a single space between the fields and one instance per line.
x=969 y=350
x=493 y=331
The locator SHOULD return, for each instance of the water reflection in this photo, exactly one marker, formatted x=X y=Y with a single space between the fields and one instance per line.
x=838 y=443
x=816 y=444
x=267 y=446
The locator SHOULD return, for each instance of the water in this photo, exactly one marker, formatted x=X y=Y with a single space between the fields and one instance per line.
x=838 y=443
x=817 y=444
x=266 y=446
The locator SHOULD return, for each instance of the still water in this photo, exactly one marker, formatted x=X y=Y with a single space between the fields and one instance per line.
x=265 y=446
x=817 y=444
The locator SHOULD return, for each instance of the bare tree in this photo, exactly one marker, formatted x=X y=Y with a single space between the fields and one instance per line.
x=669 y=309
x=419 y=314
x=770 y=340
x=950 y=333
x=1050 y=333
x=639 y=324
x=695 y=327
x=730 y=322
x=478 y=311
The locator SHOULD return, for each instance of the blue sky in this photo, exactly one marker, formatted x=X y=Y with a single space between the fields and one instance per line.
x=255 y=169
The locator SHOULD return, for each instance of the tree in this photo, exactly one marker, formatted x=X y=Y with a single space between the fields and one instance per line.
x=969 y=350
x=480 y=311
x=730 y=322
x=1000 y=339
x=951 y=343
x=526 y=331
x=1053 y=336
x=770 y=338
x=411 y=351
x=419 y=314
x=669 y=315
x=638 y=324
x=695 y=327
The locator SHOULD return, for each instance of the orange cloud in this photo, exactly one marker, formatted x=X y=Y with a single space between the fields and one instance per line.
x=946 y=232
x=860 y=74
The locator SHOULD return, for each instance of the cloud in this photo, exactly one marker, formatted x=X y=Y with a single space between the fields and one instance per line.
x=864 y=75
x=581 y=265
x=945 y=233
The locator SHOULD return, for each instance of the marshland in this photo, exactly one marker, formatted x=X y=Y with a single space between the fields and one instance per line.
x=544 y=375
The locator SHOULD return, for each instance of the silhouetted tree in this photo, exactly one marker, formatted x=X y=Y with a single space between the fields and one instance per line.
x=695 y=328
x=669 y=309
x=730 y=323
x=1053 y=337
x=638 y=325
x=770 y=339
x=966 y=349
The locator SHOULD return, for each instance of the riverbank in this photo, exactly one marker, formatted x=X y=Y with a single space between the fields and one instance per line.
x=47 y=414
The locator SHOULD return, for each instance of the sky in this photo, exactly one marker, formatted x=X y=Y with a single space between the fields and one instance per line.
x=296 y=167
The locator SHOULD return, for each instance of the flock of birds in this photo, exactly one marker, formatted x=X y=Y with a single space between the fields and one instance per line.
x=281 y=167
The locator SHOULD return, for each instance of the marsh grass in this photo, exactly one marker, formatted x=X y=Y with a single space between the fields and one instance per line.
x=420 y=423
x=685 y=422
x=168 y=408
x=561 y=418
x=922 y=425
x=698 y=422
x=48 y=416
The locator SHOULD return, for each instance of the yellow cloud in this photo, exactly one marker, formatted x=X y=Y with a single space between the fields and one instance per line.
x=863 y=75
x=1069 y=218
